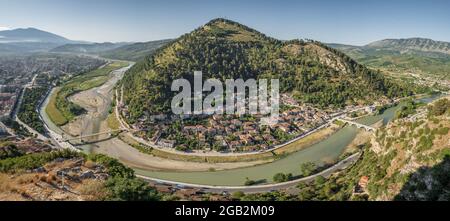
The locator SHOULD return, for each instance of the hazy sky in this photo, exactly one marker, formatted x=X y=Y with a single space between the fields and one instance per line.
x=344 y=21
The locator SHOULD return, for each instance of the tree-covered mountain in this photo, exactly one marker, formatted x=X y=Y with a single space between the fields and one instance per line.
x=223 y=49
x=134 y=52
x=93 y=48
x=413 y=55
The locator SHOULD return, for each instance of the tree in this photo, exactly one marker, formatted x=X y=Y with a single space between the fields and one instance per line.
x=249 y=182
x=307 y=169
x=125 y=189
x=238 y=195
x=440 y=107
x=281 y=177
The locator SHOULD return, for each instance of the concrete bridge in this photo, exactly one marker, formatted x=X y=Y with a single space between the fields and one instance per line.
x=358 y=125
x=93 y=135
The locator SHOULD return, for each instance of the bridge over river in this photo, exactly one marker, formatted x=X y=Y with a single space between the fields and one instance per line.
x=358 y=125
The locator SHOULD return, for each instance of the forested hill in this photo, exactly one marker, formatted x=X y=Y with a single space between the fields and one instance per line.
x=134 y=52
x=222 y=49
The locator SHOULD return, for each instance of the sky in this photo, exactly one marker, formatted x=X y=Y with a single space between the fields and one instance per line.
x=331 y=21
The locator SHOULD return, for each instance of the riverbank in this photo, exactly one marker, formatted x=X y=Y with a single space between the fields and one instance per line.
x=60 y=109
x=361 y=138
x=262 y=156
x=326 y=151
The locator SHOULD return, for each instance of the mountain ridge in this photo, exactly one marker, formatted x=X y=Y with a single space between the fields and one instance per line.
x=413 y=55
x=224 y=49
x=136 y=51
x=420 y=44
x=29 y=40
x=88 y=48
x=31 y=35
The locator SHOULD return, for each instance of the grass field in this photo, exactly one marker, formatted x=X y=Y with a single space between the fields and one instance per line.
x=60 y=110
x=52 y=111
x=112 y=121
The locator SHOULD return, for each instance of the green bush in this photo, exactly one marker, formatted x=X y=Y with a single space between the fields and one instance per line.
x=33 y=161
x=125 y=189
x=307 y=169
x=281 y=177
x=115 y=168
x=9 y=150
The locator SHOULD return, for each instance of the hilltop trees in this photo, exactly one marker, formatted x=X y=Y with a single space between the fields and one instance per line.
x=223 y=49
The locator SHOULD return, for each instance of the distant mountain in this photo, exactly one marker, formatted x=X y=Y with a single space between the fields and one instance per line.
x=30 y=35
x=88 y=48
x=223 y=49
x=25 y=40
x=413 y=55
x=134 y=52
x=412 y=44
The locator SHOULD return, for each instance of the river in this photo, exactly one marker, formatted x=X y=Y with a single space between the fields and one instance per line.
x=323 y=152
x=326 y=151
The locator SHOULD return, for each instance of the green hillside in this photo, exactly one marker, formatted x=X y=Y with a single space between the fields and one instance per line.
x=134 y=52
x=94 y=48
x=406 y=160
x=224 y=49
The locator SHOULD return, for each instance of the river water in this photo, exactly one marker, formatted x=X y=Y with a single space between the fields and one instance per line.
x=323 y=152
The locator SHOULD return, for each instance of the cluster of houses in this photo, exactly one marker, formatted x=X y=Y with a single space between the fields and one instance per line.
x=230 y=133
x=8 y=98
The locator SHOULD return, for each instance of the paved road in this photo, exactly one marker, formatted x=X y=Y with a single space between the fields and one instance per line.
x=260 y=188
x=19 y=103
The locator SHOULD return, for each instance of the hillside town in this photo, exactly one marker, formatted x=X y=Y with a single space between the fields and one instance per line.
x=229 y=133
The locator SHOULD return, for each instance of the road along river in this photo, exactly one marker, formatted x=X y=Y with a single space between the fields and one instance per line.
x=227 y=174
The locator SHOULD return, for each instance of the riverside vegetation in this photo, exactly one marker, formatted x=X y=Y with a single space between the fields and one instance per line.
x=60 y=109
x=406 y=160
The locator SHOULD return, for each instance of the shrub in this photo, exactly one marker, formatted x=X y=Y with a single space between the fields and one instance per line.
x=307 y=169
x=249 y=182
x=32 y=161
x=115 y=168
x=281 y=177
x=124 y=189
x=439 y=107
x=238 y=195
